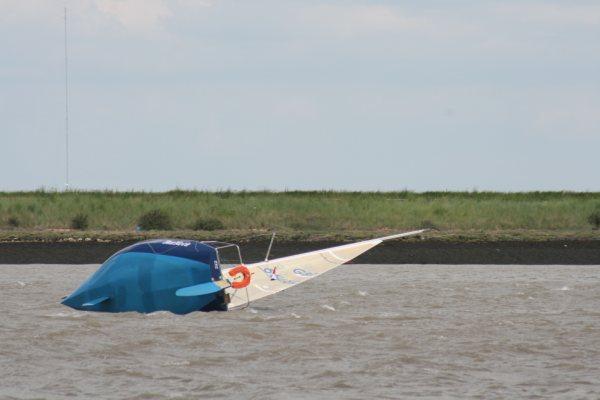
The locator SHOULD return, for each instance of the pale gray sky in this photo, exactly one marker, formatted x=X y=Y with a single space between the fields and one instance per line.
x=284 y=94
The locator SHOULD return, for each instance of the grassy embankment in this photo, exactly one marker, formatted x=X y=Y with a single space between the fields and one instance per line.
x=300 y=215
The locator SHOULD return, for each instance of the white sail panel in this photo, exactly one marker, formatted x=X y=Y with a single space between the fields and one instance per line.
x=279 y=274
x=270 y=277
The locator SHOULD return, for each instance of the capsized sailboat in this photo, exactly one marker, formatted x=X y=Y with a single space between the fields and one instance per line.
x=183 y=276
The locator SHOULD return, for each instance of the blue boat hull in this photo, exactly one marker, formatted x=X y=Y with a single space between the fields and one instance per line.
x=137 y=279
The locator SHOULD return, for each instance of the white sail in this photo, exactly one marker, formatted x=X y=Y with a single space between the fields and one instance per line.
x=270 y=277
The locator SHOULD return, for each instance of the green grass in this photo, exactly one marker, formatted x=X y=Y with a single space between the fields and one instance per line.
x=298 y=213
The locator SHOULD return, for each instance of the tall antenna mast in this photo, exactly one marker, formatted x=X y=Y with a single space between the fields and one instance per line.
x=66 y=108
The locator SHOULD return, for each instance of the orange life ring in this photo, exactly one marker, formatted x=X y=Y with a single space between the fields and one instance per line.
x=240 y=269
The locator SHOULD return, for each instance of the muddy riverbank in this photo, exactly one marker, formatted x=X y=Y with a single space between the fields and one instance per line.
x=573 y=252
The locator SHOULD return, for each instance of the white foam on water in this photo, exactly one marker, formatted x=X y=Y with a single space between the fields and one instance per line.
x=565 y=288
x=362 y=293
x=295 y=315
x=327 y=307
x=73 y=314
x=388 y=315
x=176 y=363
x=158 y=313
x=21 y=284
x=176 y=395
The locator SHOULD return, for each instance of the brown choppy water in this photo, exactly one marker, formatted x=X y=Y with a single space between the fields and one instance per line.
x=359 y=331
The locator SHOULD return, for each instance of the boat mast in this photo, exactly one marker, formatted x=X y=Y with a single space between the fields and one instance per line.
x=66 y=108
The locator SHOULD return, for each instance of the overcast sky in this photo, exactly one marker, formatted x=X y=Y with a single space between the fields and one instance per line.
x=289 y=94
